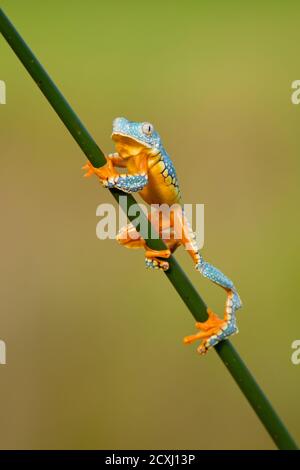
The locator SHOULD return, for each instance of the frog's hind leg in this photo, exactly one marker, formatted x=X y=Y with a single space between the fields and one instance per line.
x=153 y=261
x=214 y=329
x=129 y=237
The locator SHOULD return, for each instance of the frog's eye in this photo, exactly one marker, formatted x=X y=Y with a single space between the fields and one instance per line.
x=147 y=128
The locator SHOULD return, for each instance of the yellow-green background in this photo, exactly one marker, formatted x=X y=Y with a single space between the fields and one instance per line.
x=94 y=341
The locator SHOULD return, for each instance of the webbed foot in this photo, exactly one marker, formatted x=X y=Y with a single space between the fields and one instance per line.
x=153 y=260
x=156 y=263
x=215 y=329
x=105 y=173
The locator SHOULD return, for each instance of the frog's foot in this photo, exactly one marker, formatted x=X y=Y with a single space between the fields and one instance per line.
x=104 y=173
x=214 y=329
x=153 y=260
x=156 y=263
x=90 y=169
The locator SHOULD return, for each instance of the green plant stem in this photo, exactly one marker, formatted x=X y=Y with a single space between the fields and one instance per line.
x=175 y=274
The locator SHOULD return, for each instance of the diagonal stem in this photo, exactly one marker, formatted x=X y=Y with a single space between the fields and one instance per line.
x=175 y=274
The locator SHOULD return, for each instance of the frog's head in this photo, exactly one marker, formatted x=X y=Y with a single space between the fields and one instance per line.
x=133 y=138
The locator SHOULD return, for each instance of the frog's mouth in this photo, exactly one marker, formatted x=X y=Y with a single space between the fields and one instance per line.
x=128 y=146
x=120 y=138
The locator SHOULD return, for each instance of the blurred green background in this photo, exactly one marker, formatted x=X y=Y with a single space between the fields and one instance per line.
x=94 y=341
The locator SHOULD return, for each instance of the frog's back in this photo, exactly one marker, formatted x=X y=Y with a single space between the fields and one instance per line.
x=163 y=187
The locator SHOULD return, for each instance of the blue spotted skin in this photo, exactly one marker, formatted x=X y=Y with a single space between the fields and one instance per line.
x=130 y=183
x=123 y=126
x=160 y=186
x=214 y=274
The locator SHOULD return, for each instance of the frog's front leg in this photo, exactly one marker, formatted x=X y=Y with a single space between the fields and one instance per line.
x=111 y=178
x=105 y=173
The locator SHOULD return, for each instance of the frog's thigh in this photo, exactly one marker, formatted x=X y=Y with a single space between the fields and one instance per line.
x=128 y=236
